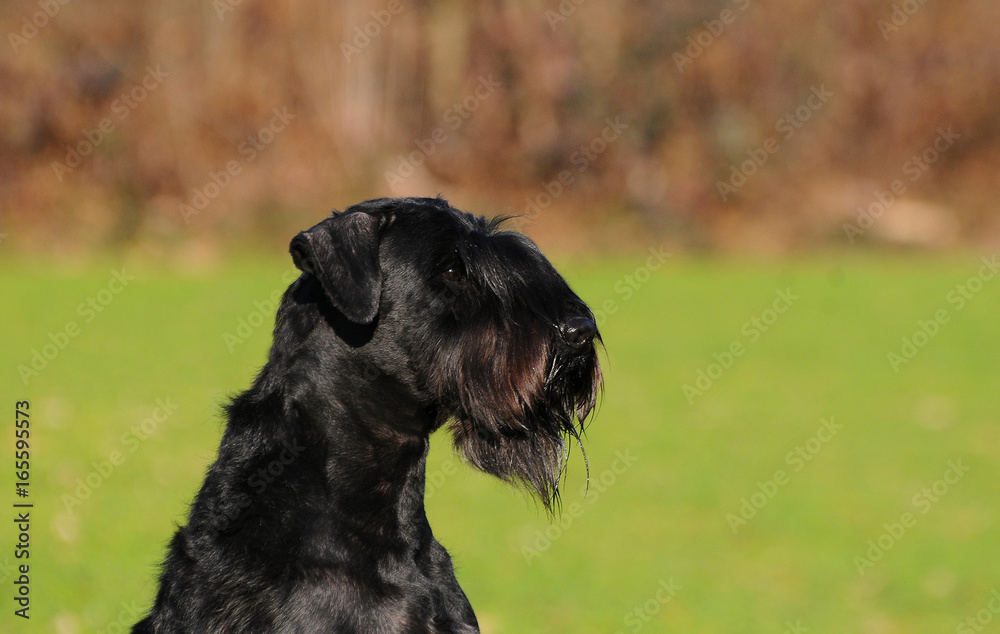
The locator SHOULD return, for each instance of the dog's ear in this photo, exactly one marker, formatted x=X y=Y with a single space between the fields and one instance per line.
x=342 y=252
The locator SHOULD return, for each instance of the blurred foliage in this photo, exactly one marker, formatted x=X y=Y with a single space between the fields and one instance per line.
x=118 y=119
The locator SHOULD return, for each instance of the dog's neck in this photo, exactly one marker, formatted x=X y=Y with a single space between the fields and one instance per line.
x=356 y=483
x=365 y=452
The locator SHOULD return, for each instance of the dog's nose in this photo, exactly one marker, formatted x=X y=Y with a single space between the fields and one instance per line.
x=578 y=331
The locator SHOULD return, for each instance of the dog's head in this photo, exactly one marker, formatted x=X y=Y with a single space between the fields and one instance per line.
x=472 y=319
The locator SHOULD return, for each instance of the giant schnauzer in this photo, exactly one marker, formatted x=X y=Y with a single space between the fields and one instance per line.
x=409 y=314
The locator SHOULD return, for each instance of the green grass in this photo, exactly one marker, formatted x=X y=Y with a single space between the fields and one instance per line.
x=659 y=520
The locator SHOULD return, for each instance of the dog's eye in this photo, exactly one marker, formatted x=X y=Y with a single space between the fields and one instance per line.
x=454 y=273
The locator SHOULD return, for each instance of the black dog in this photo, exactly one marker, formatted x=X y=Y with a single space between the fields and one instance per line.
x=408 y=314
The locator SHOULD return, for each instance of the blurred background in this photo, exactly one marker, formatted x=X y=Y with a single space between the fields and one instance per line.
x=489 y=103
x=783 y=213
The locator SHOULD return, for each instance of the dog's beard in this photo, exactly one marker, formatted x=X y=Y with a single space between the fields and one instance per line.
x=520 y=400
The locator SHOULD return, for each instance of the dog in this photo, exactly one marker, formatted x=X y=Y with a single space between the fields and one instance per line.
x=408 y=315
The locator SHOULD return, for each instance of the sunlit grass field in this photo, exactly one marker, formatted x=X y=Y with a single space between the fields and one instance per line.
x=688 y=525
